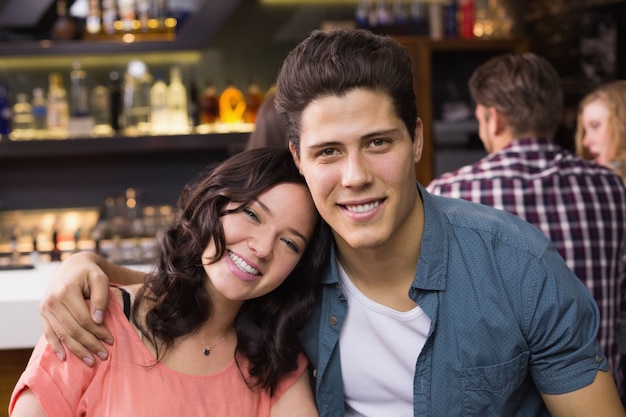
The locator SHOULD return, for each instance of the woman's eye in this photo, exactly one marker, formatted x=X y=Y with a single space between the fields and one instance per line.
x=250 y=213
x=292 y=245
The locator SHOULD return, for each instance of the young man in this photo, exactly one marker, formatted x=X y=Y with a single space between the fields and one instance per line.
x=578 y=204
x=430 y=306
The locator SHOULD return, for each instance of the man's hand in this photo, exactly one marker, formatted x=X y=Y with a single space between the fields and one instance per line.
x=67 y=317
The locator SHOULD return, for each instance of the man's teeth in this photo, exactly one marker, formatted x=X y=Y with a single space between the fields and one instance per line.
x=241 y=264
x=363 y=207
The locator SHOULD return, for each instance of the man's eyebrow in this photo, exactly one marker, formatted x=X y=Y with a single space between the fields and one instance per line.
x=370 y=135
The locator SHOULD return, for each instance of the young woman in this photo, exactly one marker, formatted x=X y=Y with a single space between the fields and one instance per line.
x=212 y=331
x=601 y=136
x=601 y=128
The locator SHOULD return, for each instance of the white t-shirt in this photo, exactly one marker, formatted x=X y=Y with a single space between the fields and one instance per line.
x=379 y=347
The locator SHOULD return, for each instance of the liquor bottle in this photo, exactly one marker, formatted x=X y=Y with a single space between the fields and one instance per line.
x=39 y=107
x=400 y=12
x=93 y=23
x=143 y=14
x=177 y=106
x=109 y=16
x=115 y=100
x=57 y=111
x=5 y=111
x=467 y=18
x=383 y=13
x=417 y=13
x=435 y=19
x=63 y=27
x=79 y=94
x=100 y=110
x=254 y=99
x=232 y=104
x=136 y=99
x=158 y=11
x=193 y=101
x=450 y=12
x=23 y=123
x=34 y=255
x=127 y=14
x=362 y=12
x=55 y=253
x=483 y=19
x=210 y=111
x=159 y=119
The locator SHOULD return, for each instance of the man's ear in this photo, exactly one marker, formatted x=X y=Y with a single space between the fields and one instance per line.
x=418 y=142
x=497 y=123
x=294 y=155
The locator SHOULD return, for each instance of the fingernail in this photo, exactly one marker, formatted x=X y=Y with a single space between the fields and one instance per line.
x=98 y=315
x=108 y=341
x=60 y=356
x=102 y=355
x=88 y=361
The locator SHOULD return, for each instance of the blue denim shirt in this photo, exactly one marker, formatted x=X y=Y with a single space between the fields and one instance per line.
x=508 y=319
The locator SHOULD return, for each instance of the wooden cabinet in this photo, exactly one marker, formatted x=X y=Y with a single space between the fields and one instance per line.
x=432 y=59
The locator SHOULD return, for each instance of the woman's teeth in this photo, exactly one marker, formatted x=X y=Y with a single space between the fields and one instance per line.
x=241 y=264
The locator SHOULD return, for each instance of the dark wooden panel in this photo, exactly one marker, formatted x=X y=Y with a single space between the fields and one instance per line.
x=12 y=364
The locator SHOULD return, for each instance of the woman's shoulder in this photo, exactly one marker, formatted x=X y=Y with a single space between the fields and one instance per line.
x=124 y=295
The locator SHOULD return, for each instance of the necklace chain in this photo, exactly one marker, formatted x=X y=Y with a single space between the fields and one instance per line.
x=207 y=349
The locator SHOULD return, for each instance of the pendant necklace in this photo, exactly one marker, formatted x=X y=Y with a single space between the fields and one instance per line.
x=207 y=349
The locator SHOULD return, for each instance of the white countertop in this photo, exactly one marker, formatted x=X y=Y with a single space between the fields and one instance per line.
x=21 y=292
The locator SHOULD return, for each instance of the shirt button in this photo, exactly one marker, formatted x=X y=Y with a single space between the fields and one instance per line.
x=598 y=359
x=315 y=373
x=333 y=320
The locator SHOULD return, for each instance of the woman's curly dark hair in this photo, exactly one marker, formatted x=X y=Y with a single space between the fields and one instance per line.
x=179 y=304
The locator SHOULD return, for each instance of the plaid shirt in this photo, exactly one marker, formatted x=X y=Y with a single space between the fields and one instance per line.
x=578 y=204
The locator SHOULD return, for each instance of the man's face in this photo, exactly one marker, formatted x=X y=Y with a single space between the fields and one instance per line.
x=359 y=163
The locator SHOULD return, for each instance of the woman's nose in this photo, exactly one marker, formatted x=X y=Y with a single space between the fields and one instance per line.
x=261 y=245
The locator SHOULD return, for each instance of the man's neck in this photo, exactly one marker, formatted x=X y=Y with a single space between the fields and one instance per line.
x=385 y=273
x=501 y=141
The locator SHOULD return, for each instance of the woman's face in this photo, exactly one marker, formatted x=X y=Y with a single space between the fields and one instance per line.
x=264 y=243
x=596 y=138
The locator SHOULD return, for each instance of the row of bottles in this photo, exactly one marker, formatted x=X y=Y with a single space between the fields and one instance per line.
x=437 y=18
x=96 y=18
x=133 y=105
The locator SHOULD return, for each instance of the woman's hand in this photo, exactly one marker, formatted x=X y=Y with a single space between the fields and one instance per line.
x=67 y=318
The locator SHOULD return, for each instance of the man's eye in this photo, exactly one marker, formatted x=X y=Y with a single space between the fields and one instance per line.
x=326 y=152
